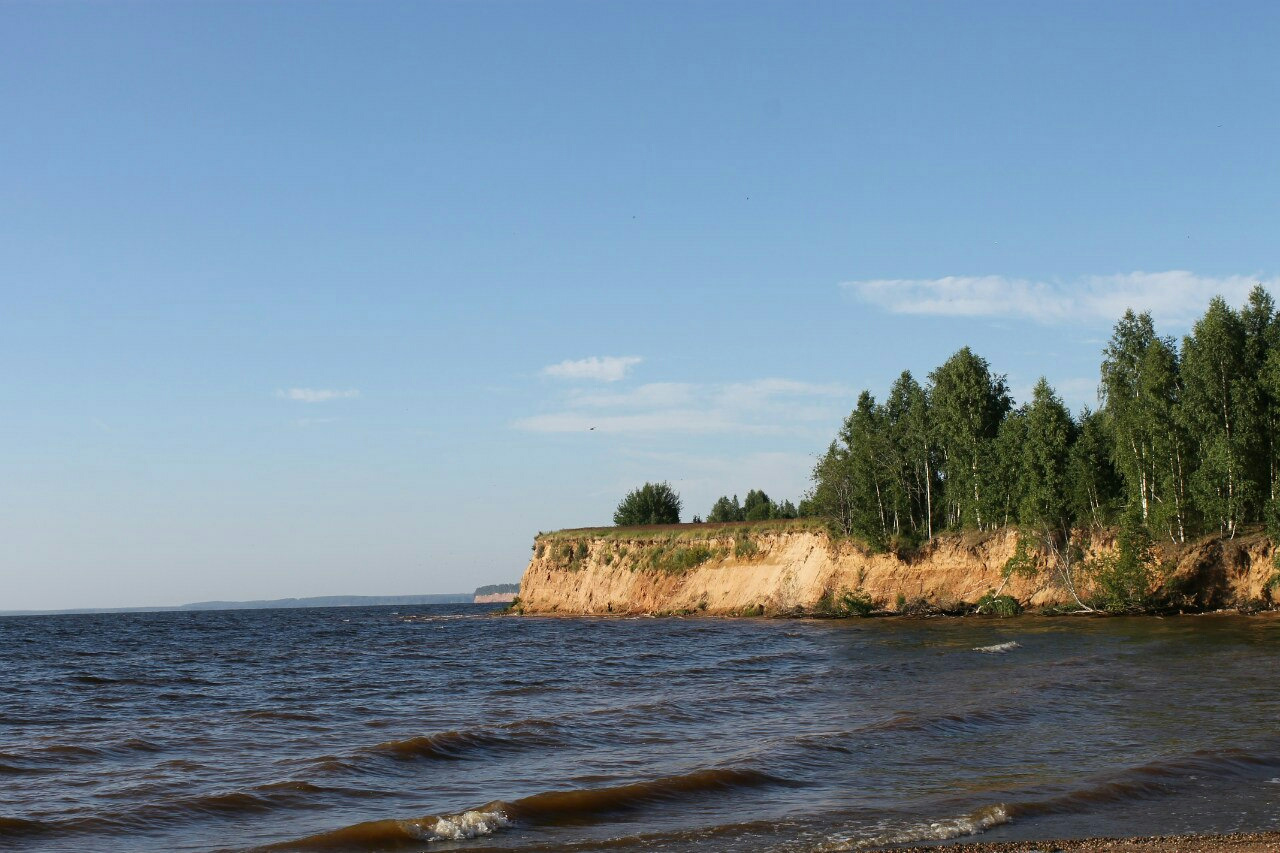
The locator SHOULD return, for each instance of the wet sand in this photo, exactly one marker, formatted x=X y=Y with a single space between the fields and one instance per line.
x=1236 y=842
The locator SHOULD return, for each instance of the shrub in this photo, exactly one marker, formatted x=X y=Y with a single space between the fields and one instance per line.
x=677 y=561
x=744 y=547
x=845 y=604
x=1122 y=580
x=652 y=503
x=999 y=605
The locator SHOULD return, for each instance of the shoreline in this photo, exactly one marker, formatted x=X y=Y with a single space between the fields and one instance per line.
x=1231 y=842
x=1272 y=613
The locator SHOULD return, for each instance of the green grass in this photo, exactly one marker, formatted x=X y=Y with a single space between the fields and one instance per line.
x=685 y=532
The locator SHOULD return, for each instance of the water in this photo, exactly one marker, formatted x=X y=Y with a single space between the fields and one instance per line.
x=443 y=728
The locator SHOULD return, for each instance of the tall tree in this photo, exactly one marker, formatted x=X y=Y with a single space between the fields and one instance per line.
x=1093 y=484
x=833 y=494
x=1141 y=392
x=757 y=506
x=1262 y=341
x=1046 y=455
x=968 y=404
x=1221 y=409
x=914 y=453
x=725 y=509
x=1005 y=482
x=865 y=435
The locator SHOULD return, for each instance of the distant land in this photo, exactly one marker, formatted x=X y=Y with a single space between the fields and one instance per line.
x=269 y=604
x=497 y=593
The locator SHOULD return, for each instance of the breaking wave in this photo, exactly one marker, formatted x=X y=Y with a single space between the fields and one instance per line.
x=998 y=648
x=550 y=808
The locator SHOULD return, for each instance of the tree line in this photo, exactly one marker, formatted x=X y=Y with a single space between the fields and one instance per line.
x=1186 y=441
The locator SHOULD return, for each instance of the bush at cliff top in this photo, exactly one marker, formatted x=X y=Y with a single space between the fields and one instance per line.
x=652 y=503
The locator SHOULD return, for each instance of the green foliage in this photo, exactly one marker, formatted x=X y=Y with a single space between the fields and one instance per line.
x=1022 y=563
x=744 y=547
x=757 y=506
x=1046 y=451
x=969 y=402
x=652 y=503
x=726 y=509
x=1188 y=438
x=496 y=588
x=843 y=604
x=999 y=605
x=1123 y=579
x=679 y=559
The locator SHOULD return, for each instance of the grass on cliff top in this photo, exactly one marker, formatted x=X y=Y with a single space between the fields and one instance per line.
x=675 y=532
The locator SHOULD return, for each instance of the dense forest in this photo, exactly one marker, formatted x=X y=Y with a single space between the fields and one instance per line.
x=1186 y=441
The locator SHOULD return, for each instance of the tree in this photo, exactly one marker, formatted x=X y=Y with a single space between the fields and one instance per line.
x=870 y=468
x=757 y=506
x=1093 y=484
x=725 y=509
x=1142 y=394
x=652 y=503
x=833 y=495
x=968 y=404
x=1221 y=411
x=915 y=452
x=1046 y=455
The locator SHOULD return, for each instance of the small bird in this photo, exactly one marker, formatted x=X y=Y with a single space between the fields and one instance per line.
x=591 y=429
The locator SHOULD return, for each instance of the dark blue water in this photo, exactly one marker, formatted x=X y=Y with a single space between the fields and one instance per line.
x=441 y=728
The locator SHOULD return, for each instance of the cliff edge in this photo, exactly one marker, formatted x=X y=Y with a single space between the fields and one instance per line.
x=796 y=568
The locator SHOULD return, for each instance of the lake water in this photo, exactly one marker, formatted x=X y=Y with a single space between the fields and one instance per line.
x=445 y=728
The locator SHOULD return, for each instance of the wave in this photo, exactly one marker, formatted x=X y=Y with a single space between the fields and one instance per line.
x=549 y=808
x=998 y=648
x=940 y=830
x=12 y=827
x=457 y=745
x=952 y=723
x=1154 y=779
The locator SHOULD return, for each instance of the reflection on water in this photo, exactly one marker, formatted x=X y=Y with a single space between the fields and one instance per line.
x=442 y=728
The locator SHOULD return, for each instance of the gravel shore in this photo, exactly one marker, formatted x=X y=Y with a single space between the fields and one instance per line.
x=1236 y=842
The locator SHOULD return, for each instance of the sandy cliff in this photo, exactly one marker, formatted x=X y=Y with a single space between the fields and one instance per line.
x=494 y=598
x=738 y=570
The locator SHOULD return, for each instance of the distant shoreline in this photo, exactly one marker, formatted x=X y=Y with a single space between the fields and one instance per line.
x=265 y=604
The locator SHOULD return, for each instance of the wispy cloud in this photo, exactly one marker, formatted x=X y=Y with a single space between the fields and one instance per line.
x=760 y=406
x=316 y=395
x=1175 y=297
x=608 y=368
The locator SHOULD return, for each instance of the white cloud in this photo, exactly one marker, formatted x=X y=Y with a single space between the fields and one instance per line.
x=316 y=395
x=761 y=406
x=1175 y=297
x=608 y=368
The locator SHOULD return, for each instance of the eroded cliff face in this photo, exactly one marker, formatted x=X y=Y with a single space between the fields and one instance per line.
x=737 y=571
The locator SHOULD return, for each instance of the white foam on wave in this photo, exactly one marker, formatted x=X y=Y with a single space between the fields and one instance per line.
x=461 y=827
x=941 y=830
x=998 y=648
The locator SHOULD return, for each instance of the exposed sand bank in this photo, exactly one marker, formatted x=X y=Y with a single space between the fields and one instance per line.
x=739 y=570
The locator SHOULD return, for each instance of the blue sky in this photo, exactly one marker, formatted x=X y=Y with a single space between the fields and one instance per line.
x=323 y=298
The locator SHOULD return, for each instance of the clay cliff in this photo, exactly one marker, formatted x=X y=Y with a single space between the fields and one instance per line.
x=797 y=568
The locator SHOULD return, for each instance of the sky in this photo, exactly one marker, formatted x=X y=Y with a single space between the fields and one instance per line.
x=326 y=298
